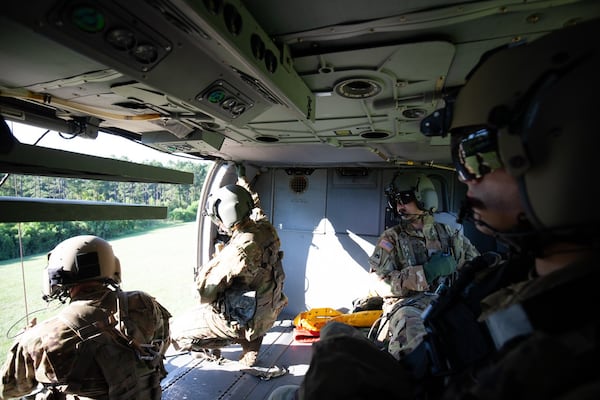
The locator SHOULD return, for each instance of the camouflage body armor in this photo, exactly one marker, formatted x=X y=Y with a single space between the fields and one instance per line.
x=106 y=345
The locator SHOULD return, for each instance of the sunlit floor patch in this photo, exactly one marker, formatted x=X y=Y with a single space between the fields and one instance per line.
x=281 y=361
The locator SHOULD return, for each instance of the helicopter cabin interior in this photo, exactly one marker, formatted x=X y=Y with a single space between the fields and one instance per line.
x=322 y=103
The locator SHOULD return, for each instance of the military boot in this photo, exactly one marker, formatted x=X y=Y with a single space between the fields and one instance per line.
x=250 y=351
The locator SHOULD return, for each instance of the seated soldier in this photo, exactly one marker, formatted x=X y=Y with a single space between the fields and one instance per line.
x=412 y=259
x=106 y=343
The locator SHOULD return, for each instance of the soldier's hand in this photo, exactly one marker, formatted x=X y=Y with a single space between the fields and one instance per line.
x=439 y=265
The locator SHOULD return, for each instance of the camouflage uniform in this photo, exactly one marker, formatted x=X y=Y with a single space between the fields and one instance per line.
x=558 y=357
x=398 y=262
x=83 y=354
x=251 y=261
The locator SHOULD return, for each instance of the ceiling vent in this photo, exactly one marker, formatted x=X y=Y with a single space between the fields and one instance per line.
x=267 y=139
x=358 y=88
x=375 y=134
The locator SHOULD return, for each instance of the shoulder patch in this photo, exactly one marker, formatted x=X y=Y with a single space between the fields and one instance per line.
x=386 y=245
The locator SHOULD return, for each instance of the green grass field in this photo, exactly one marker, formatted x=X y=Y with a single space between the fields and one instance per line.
x=159 y=262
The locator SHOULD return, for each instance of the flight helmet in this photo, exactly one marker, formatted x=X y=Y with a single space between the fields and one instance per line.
x=79 y=259
x=229 y=205
x=409 y=186
x=532 y=110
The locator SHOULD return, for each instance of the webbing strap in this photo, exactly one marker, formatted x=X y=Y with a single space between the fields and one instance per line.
x=444 y=238
x=123 y=313
x=407 y=249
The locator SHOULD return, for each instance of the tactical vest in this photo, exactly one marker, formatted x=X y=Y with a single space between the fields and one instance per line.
x=130 y=372
x=458 y=343
x=414 y=250
x=455 y=339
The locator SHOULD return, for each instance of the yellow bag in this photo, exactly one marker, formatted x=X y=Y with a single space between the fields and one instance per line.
x=361 y=319
x=315 y=318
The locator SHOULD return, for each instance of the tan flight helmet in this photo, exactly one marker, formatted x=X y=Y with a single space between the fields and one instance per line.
x=540 y=100
x=410 y=185
x=229 y=205
x=79 y=259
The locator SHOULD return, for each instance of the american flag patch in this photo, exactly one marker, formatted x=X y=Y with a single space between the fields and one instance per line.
x=384 y=244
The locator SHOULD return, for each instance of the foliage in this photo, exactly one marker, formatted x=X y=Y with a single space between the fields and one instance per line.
x=187 y=214
x=38 y=237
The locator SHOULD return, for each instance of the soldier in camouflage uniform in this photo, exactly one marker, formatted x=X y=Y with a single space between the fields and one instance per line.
x=106 y=343
x=241 y=288
x=523 y=149
x=412 y=259
x=524 y=327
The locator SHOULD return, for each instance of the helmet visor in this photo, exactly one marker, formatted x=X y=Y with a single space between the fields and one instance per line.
x=405 y=197
x=474 y=151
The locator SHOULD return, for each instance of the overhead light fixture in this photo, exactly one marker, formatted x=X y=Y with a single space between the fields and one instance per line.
x=358 y=88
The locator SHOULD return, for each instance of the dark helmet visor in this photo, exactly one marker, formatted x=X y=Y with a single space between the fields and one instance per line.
x=474 y=152
x=405 y=197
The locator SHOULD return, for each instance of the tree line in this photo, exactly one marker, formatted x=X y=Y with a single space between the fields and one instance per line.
x=38 y=237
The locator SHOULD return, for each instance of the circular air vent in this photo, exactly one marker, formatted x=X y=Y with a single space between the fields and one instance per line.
x=257 y=46
x=414 y=113
x=375 y=135
x=298 y=184
x=232 y=19
x=358 y=88
x=267 y=139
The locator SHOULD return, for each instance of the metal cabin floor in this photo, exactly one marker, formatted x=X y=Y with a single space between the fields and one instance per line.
x=193 y=378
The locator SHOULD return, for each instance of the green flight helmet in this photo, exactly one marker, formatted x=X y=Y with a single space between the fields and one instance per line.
x=418 y=187
x=229 y=205
x=79 y=259
x=540 y=101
